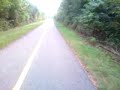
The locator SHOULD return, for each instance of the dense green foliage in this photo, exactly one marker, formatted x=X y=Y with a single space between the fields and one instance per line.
x=16 y=12
x=101 y=17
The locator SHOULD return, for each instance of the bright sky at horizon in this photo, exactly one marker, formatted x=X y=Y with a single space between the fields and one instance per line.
x=49 y=7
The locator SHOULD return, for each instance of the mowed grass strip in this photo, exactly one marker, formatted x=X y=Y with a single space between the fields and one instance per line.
x=100 y=64
x=9 y=36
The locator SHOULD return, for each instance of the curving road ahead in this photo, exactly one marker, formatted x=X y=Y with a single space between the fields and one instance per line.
x=41 y=60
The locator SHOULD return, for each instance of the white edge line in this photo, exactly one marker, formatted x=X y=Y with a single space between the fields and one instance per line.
x=28 y=64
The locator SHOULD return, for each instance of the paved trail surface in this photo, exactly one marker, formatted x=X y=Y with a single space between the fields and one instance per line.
x=53 y=66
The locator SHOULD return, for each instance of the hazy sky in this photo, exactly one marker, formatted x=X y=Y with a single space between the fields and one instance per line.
x=49 y=7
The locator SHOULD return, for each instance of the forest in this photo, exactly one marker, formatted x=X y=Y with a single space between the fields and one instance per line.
x=17 y=12
x=97 y=19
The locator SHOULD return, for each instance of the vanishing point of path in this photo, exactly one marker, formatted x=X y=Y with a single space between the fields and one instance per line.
x=41 y=60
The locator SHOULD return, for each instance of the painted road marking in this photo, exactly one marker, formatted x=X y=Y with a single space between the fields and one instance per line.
x=29 y=62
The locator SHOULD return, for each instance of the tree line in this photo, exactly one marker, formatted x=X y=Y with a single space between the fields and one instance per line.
x=99 y=19
x=16 y=12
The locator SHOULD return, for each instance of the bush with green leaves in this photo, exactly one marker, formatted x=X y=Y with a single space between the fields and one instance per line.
x=4 y=25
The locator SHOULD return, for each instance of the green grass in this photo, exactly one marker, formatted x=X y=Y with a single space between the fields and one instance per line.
x=100 y=64
x=9 y=36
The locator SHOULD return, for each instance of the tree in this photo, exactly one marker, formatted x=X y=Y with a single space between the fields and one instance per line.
x=15 y=12
x=100 y=17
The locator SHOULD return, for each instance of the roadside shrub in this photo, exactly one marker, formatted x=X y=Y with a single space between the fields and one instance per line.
x=92 y=41
x=4 y=25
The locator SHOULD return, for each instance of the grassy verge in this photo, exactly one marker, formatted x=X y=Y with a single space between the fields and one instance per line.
x=7 y=37
x=100 y=64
